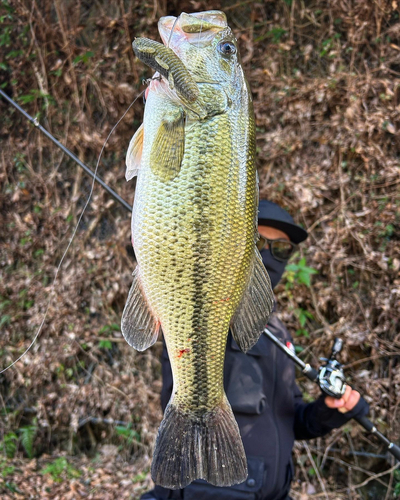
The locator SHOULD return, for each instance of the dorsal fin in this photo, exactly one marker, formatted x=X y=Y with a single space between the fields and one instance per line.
x=253 y=312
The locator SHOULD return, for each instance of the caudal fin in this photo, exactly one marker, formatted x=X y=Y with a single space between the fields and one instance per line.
x=190 y=447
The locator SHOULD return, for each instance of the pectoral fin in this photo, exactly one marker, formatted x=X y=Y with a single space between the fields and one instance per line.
x=134 y=154
x=139 y=326
x=169 y=144
x=252 y=314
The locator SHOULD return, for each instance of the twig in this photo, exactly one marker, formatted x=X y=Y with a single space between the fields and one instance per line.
x=346 y=464
x=238 y=4
x=68 y=50
x=370 y=358
x=375 y=476
x=129 y=40
x=389 y=485
x=112 y=339
x=316 y=469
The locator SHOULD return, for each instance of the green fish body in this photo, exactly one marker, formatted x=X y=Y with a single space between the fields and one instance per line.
x=194 y=233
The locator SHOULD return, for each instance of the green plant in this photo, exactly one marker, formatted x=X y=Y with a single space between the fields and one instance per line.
x=57 y=72
x=327 y=45
x=303 y=315
x=105 y=344
x=23 y=302
x=84 y=58
x=114 y=327
x=275 y=34
x=12 y=487
x=5 y=37
x=5 y=320
x=127 y=434
x=27 y=437
x=387 y=231
x=396 y=487
x=35 y=94
x=4 y=302
x=311 y=471
x=6 y=470
x=140 y=477
x=299 y=273
x=10 y=444
x=60 y=467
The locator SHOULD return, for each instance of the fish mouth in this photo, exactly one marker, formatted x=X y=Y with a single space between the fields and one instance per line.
x=198 y=28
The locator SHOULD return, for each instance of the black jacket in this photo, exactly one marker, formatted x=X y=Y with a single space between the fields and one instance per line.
x=271 y=414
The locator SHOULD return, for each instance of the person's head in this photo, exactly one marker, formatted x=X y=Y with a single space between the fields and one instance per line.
x=279 y=238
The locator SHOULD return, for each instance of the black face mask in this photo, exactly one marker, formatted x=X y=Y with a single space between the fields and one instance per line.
x=275 y=268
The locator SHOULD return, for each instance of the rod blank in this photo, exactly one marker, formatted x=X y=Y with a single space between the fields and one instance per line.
x=90 y=172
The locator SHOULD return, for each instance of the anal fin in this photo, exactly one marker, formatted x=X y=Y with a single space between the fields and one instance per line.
x=252 y=314
x=138 y=325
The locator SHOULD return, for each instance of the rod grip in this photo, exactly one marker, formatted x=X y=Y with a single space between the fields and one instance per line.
x=370 y=427
x=365 y=422
x=395 y=451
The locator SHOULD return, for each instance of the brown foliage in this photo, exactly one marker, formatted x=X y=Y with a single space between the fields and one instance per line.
x=325 y=81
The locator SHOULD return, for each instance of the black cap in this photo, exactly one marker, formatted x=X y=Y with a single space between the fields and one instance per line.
x=271 y=214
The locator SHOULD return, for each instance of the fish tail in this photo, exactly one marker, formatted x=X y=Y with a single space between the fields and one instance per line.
x=191 y=446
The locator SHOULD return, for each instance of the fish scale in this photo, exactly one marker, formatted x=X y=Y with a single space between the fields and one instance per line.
x=194 y=232
x=209 y=333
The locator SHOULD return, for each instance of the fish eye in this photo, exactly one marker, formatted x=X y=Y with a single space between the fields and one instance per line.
x=226 y=48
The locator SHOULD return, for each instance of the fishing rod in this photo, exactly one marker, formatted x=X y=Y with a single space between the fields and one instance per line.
x=331 y=380
x=36 y=123
x=330 y=377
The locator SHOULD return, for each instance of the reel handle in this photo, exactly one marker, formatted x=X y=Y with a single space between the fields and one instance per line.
x=336 y=348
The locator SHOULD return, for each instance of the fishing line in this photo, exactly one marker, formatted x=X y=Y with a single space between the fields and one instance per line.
x=201 y=29
x=172 y=30
x=71 y=239
x=198 y=43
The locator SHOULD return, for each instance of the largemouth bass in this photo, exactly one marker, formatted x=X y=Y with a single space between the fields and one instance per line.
x=194 y=229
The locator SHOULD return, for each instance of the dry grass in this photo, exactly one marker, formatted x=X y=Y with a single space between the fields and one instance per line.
x=325 y=82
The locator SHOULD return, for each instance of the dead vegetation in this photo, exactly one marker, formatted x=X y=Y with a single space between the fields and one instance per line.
x=81 y=404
